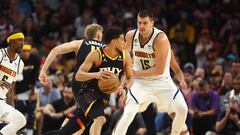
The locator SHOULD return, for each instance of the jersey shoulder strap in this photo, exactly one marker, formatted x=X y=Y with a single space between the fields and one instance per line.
x=1 y=59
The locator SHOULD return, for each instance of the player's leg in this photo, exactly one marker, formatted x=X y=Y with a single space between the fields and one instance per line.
x=97 y=125
x=179 y=107
x=96 y=114
x=79 y=132
x=184 y=130
x=75 y=122
x=130 y=111
x=134 y=104
x=13 y=118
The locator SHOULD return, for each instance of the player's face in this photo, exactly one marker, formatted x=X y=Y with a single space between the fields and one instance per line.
x=120 y=42
x=18 y=45
x=145 y=25
x=100 y=35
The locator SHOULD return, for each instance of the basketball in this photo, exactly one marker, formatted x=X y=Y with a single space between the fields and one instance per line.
x=109 y=85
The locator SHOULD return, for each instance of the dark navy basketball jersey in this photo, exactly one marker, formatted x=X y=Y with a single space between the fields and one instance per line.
x=107 y=63
x=86 y=47
x=114 y=65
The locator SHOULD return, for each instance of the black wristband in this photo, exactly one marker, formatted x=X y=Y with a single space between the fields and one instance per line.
x=126 y=89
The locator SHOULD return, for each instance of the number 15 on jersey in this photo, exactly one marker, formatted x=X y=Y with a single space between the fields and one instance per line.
x=145 y=64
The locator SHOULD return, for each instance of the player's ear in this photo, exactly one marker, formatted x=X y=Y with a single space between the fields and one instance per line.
x=113 y=41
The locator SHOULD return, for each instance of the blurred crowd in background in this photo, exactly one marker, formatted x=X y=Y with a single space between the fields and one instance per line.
x=204 y=35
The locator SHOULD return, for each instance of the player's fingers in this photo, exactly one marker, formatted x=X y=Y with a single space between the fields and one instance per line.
x=108 y=73
x=105 y=76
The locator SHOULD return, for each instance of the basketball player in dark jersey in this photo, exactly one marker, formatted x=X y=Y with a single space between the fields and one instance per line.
x=93 y=35
x=101 y=64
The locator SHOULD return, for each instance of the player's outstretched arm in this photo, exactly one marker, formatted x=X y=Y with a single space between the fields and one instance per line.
x=60 y=49
x=91 y=60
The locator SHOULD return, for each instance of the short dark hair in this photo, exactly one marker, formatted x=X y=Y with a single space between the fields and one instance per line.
x=203 y=82
x=145 y=13
x=112 y=33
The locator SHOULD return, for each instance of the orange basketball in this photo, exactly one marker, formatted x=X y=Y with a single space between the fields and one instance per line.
x=109 y=85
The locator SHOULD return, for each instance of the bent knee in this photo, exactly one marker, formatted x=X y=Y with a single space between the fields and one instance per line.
x=182 y=109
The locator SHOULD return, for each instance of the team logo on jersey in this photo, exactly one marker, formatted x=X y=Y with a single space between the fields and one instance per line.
x=120 y=58
x=135 y=40
x=149 y=47
x=104 y=60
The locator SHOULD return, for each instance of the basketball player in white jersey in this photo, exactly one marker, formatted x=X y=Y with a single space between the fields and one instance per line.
x=152 y=58
x=11 y=66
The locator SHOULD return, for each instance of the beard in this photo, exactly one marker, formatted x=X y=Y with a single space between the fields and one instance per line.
x=18 y=50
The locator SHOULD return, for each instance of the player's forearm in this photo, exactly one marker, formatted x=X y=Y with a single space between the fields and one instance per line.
x=129 y=82
x=51 y=56
x=85 y=76
x=153 y=71
x=176 y=69
x=179 y=75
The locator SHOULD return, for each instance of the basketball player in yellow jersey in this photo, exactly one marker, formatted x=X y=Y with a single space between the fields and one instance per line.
x=152 y=57
x=11 y=66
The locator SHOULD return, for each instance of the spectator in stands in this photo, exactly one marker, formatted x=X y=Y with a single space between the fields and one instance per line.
x=55 y=112
x=226 y=84
x=200 y=72
x=228 y=122
x=204 y=108
x=216 y=80
x=47 y=94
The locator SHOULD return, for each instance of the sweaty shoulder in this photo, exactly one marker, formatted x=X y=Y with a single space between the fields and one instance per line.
x=130 y=34
x=129 y=39
x=161 y=39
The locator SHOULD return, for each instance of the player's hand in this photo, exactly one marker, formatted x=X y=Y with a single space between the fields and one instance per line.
x=43 y=78
x=103 y=75
x=122 y=98
x=119 y=90
x=183 y=85
x=5 y=85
